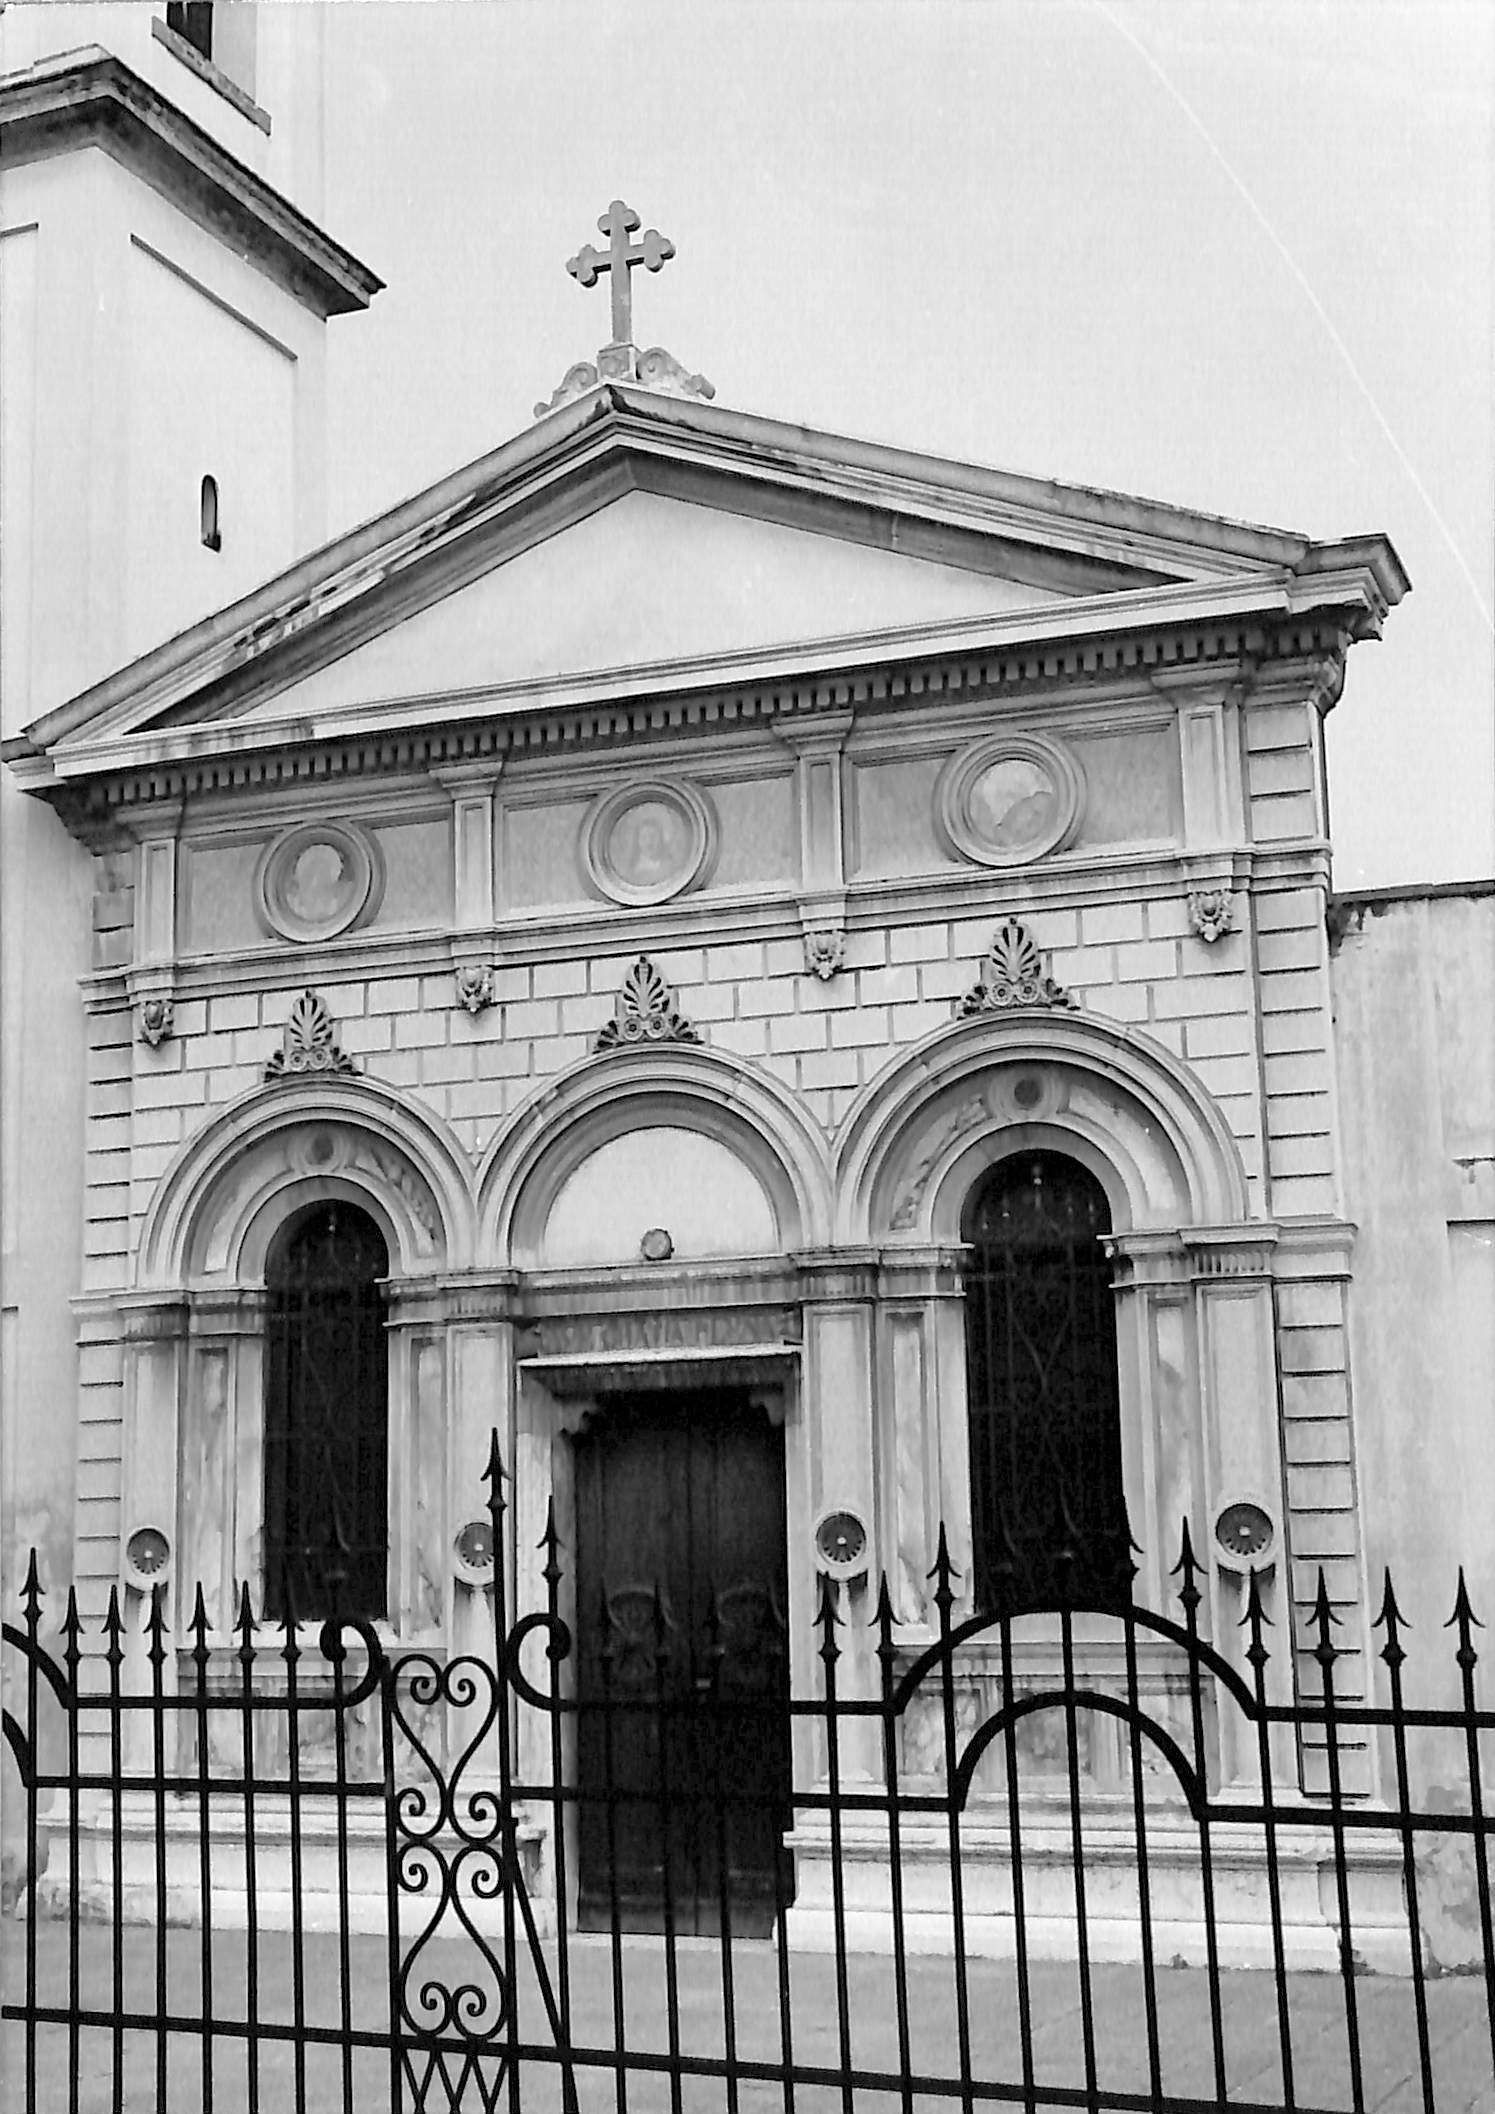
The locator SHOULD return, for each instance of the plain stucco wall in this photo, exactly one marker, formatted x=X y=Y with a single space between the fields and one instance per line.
x=1414 y=994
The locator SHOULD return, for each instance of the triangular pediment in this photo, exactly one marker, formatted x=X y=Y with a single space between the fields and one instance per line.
x=651 y=580
x=631 y=543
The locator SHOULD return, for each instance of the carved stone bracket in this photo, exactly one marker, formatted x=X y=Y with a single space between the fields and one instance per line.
x=1012 y=974
x=309 y=1043
x=155 y=1018
x=474 y=986
x=1211 y=913
x=825 y=951
x=645 y=1010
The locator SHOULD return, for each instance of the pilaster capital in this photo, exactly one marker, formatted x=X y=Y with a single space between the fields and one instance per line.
x=153 y=1317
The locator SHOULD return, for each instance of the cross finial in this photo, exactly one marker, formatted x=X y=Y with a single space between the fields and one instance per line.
x=652 y=250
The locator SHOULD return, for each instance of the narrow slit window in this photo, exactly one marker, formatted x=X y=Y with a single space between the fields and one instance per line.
x=212 y=536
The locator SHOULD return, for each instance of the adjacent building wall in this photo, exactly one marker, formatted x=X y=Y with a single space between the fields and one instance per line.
x=1413 y=978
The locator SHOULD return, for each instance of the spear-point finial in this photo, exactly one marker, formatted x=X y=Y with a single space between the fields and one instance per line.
x=827 y=1620
x=1186 y=1570
x=244 y=1623
x=72 y=1627
x=155 y=1628
x=550 y=1542
x=1467 y=1622
x=198 y=1627
x=1393 y=1621
x=1256 y=1620
x=114 y=1628
x=495 y=1475
x=1324 y=1620
x=943 y=1575
x=31 y=1593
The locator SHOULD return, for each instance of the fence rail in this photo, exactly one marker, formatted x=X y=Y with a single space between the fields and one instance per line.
x=601 y=1858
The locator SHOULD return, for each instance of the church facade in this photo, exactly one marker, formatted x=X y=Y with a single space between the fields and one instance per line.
x=787 y=979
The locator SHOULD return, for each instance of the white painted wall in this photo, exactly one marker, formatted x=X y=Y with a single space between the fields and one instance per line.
x=1414 y=996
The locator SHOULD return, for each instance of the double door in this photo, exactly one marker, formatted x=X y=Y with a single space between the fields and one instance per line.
x=683 y=1733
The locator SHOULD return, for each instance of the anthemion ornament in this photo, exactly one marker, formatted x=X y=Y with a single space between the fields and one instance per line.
x=645 y=1010
x=1212 y=913
x=309 y=1044
x=1013 y=974
x=155 y=1021
x=825 y=952
x=474 y=986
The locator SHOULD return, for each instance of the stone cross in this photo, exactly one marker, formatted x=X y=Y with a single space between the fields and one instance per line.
x=653 y=251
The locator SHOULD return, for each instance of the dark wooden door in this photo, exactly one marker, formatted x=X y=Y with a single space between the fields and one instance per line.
x=683 y=1734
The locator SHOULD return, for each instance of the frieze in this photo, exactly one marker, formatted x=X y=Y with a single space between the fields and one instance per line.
x=674 y=1328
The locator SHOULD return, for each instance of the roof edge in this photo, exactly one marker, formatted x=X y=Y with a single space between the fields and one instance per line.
x=93 y=94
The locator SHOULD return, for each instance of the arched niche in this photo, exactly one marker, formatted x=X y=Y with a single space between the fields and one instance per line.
x=714 y=1115
x=281 y=1148
x=1114 y=1100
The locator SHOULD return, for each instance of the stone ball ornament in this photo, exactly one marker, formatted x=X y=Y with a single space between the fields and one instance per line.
x=318 y=880
x=1008 y=799
x=646 y=842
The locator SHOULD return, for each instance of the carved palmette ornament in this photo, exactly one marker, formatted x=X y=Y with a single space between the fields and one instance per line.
x=645 y=1010
x=309 y=1044
x=1013 y=974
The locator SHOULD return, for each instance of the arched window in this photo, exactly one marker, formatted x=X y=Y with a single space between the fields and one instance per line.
x=327 y=1416
x=207 y=515
x=1047 y=1499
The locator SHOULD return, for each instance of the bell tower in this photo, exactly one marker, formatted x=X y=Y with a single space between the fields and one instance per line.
x=166 y=287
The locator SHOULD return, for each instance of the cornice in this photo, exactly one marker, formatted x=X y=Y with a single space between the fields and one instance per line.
x=617 y=438
x=93 y=98
x=1200 y=634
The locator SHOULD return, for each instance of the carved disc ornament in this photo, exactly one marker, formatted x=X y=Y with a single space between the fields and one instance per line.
x=318 y=880
x=1008 y=799
x=646 y=842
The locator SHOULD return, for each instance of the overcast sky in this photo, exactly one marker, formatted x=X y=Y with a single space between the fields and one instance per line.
x=1236 y=256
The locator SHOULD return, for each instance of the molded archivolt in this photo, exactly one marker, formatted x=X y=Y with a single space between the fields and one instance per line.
x=1116 y=1100
x=235 y=1183
x=676 y=1088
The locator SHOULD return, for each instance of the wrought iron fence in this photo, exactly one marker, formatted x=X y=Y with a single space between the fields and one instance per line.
x=1062 y=1861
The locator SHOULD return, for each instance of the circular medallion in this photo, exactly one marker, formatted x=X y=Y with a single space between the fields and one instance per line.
x=1244 y=1530
x=644 y=843
x=1008 y=799
x=147 y=1553
x=318 y=880
x=841 y=1543
x=657 y=1246
x=473 y=1549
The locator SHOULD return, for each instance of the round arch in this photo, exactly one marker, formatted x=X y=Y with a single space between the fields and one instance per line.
x=1111 y=1097
x=283 y=1146
x=679 y=1087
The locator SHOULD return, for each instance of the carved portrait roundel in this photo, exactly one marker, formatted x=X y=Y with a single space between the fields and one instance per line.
x=645 y=842
x=318 y=880
x=1008 y=799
